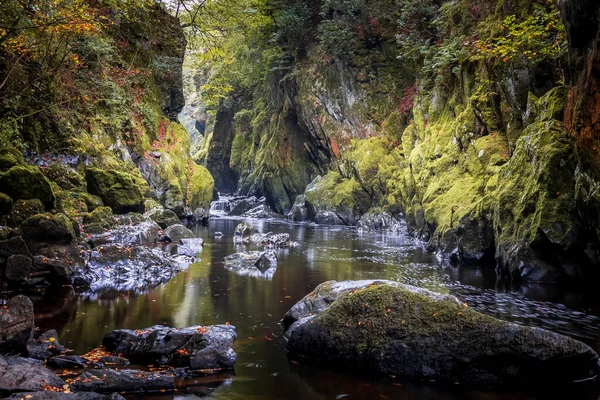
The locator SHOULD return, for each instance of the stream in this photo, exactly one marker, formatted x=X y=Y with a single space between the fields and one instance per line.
x=206 y=293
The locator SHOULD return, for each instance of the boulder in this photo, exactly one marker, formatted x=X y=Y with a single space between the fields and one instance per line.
x=196 y=349
x=164 y=218
x=117 y=189
x=16 y=325
x=146 y=233
x=261 y=211
x=46 y=346
x=123 y=381
x=271 y=239
x=177 y=232
x=190 y=247
x=243 y=232
x=67 y=362
x=13 y=246
x=23 y=209
x=257 y=264
x=377 y=220
x=102 y=216
x=6 y=203
x=302 y=210
x=17 y=267
x=387 y=328
x=47 y=228
x=113 y=361
x=23 y=182
x=240 y=205
x=26 y=375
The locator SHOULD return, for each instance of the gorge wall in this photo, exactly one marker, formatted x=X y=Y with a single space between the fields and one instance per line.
x=482 y=134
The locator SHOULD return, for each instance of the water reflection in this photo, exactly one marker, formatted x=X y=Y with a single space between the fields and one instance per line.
x=206 y=293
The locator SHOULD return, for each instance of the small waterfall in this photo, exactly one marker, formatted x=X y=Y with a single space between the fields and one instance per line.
x=221 y=207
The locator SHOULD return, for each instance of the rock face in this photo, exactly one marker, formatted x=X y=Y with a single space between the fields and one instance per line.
x=388 y=328
x=194 y=349
x=381 y=221
x=117 y=190
x=26 y=375
x=16 y=325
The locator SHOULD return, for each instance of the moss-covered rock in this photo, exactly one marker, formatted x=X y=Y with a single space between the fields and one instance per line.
x=176 y=232
x=47 y=228
x=200 y=189
x=23 y=209
x=102 y=216
x=24 y=182
x=10 y=157
x=117 y=190
x=92 y=202
x=6 y=204
x=70 y=203
x=66 y=178
x=391 y=329
x=164 y=218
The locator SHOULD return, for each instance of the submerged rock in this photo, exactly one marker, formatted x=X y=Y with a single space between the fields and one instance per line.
x=388 y=328
x=271 y=239
x=257 y=264
x=26 y=375
x=243 y=232
x=16 y=325
x=123 y=381
x=195 y=349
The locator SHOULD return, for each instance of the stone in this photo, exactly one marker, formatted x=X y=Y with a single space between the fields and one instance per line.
x=257 y=264
x=113 y=361
x=123 y=381
x=47 y=395
x=388 y=328
x=46 y=346
x=6 y=203
x=23 y=182
x=102 y=216
x=164 y=218
x=146 y=233
x=190 y=247
x=47 y=228
x=302 y=210
x=17 y=267
x=195 y=349
x=117 y=189
x=24 y=374
x=377 y=220
x=243 y=232
x=16 y=325
x=261 y=211
x=271 y=239
x=23 y=209
x=175 y=233
x=13 y=246
x=67 y=362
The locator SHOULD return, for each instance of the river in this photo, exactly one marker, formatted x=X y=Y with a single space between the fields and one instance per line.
x=206 y=293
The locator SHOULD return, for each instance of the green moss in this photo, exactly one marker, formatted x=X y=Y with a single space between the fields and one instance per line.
x=102 y=216
x=117 y=190
x=23 y=209
x=164 y=218
x=70 y=203
x=25 y=182
x=47 y=228
x=201 y=186
x=6 y=204
x=65 y=178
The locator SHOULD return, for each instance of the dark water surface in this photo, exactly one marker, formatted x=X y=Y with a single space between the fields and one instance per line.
x=206 y=293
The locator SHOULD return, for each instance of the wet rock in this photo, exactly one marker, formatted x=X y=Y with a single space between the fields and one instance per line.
x=176 y=232
x=123 y=381
x=67 y=362
x=117 y=190
x=218 y=234
x=377 y=220
x=388 y=328
x=242 y=204
x=328 y=218
x=261 y=211
x=14 y=246
x=146 y=233
x=23 y=209
x=271 y=239
x=243 y=232
x=302 y=210
x=258 y=264
x=42 y=229
x=113 y=361
x=194 y=348
x=190 y=247
x=6 y=203
x=131 y=218
x=46 y=346
x=17 y=267
x=16 y=325
x=24 y=374
x=164 y=218
x=46 y=395
x=133 y=268
x=23 y=182
x=5 y=232
x=60 y=260
x=102 y=216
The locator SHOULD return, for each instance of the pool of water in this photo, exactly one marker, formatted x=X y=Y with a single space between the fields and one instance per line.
x=206 y=293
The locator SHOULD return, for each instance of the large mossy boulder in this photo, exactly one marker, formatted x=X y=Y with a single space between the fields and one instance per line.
x=102 y=216
x=48 y=228
x=164 y=218
x=117 y=189
x=23 y=209
x=23 y=182
x=200 y=188
x=6 y=204
x=387 y=328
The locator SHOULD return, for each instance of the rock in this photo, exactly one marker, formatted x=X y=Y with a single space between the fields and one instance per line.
x=17 y=267
x=5 y=232
x=102 y=216
x=123 y=381
x=302 y=210
x=190 y=247
x=23 y=374
x=60 y=260
x=6 y=203
x=46 y=346
x=47 y=228
x=200 y=187
x=117 y=190
x=164 y=218
x=194 y=348
x=146 y=233
x=257 y=264
x=131 y=218
x=25 y=182
x=241 y=205
x=67 y=362
x=243 y=232
x=123 y=268
x=113 y=361
x=271 y=239
x=388 y=328
x=46 y=395
x=92 y=202
x=14 y=246
x=218 y=234
x=16 y=325
x=261 y=211
x=23 y=209
x=377 y=220
x=176 y=232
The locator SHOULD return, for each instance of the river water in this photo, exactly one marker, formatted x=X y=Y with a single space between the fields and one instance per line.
x=206 y=293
